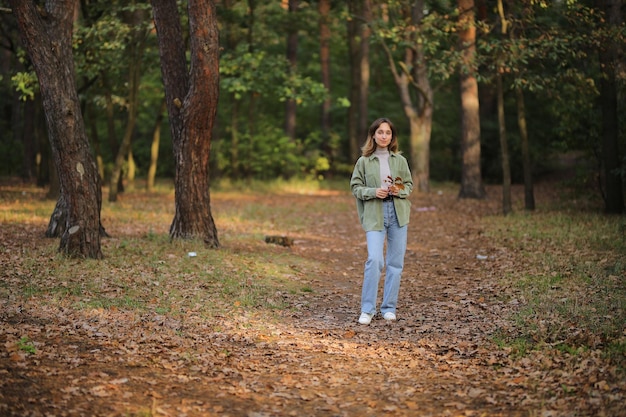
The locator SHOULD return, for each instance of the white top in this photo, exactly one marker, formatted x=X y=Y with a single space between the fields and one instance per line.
x=383 y=160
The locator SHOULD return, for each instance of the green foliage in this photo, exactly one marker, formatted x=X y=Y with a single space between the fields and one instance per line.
x=255 y=79
x=436 y=37
x=26 y=84
x=99 y=46
x=105 y=44
x=550 y=51
x=244 y=73
x=543 y=48
x=269 y=154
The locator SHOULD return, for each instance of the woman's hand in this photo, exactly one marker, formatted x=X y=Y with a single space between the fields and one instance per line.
x=382 y=193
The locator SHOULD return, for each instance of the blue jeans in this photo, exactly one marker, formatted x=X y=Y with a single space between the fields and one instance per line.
x=396 y=248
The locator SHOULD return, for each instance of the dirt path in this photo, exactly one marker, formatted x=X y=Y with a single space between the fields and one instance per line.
x=438 y=359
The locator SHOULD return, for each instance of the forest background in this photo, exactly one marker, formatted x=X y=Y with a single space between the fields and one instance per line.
x=301 y=81
x=299 y=84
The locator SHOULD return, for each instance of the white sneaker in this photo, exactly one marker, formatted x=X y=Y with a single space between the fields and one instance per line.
x=365 y=318
x=389 y=316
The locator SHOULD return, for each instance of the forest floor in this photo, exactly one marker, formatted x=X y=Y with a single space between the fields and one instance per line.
x=442 y=357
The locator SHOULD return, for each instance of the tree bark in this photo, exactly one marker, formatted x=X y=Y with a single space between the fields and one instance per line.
x=292 y=58
x=29 y=140
x=504 y=150
x=324 y=28
x=154 y=147
x=414 y=73
x=252 y=108
x=95 y=139
x=192 y=105
x=421 y=127
x=135 y=53
x=132 y=170
x=46 y=171
x=47 y=35
x=614 y=197
x=229 y=32
x=235 y=164
x=354 y=33
x=364 y=72
x=110 y=118
x=471 y=177
x=504 y=145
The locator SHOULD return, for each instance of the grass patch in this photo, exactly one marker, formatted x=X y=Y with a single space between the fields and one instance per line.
x=570 y=272
x=143 y=271
x=26 y=345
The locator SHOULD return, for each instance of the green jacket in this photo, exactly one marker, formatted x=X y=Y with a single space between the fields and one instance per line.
x=364 y=182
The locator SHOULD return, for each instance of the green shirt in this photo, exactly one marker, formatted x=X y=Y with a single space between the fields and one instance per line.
x=364 y=182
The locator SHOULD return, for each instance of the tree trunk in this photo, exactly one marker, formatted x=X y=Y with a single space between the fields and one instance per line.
x=132 y=170
x=419 y=114
x=354 y=31
x=504 y=150
x=54 y=187
x=529 y=194
x=364 y=72
x=251 y=14
x=46 y=170
x=471 y=177
x=135 y=53
x=154 y=148
x=92 y=121
x=234 y=137
x=47 y=36
x=420 y=150
x=292 y=58
x=421 y=133
x=230 y=33
x=324 y=11
x=252 y=111
x=192 y=105
x=504 y=146
x=110 y=114
x=29 y=140
x=614 y=197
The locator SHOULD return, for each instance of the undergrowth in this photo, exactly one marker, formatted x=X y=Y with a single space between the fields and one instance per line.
x=570 y=274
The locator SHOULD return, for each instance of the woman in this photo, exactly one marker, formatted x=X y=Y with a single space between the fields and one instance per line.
x=381 y=182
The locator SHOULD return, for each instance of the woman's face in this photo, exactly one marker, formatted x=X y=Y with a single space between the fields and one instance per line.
x=383 y=135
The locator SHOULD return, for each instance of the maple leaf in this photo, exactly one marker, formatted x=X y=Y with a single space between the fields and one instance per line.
x=394 y=184
x=399 y=183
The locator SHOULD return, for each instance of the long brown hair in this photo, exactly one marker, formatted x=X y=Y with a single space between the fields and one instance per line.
x=370 y=144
